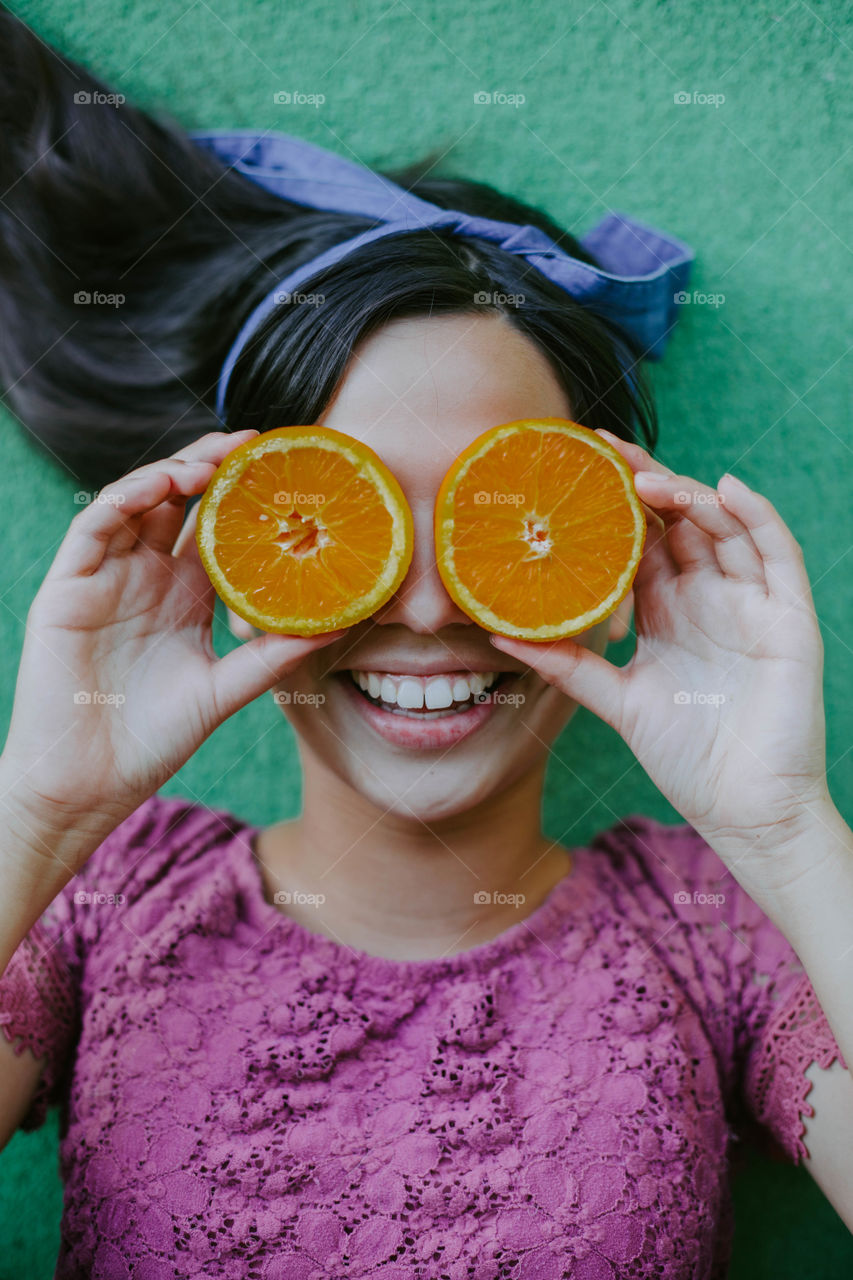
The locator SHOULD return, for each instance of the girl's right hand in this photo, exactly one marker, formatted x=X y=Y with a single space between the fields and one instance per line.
x=119 y=683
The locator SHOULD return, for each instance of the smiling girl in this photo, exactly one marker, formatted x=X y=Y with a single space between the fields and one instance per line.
x=404 y=1034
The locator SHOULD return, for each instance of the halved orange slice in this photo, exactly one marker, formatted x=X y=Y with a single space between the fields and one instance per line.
x=303 y=530
x=538 y=529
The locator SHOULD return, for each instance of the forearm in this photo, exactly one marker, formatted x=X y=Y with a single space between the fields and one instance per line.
x=816 y=916
x=39 y=854
x=30 y=883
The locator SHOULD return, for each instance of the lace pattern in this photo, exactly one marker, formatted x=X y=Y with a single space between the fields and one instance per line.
x=252 y=1100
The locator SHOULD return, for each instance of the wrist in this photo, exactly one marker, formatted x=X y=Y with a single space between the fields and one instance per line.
x=41 y=834
x=814 y=877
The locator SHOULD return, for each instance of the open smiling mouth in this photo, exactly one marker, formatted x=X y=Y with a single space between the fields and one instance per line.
x=429 y=697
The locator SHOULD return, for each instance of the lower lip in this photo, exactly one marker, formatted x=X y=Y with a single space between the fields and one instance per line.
x=423 y=735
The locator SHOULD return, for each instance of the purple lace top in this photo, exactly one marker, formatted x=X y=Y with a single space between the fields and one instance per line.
x=244 y=1098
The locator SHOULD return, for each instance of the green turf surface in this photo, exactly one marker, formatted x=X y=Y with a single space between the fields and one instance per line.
x=759 y=184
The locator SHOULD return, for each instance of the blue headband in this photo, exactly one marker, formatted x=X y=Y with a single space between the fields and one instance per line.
x=643 y=269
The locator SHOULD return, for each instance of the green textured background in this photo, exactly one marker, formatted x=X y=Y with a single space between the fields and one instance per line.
x=760 y=185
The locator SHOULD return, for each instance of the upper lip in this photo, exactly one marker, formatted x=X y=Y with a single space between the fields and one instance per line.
x=438 y=667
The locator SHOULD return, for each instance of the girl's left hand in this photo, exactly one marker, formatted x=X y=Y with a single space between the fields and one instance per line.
x=722 y=700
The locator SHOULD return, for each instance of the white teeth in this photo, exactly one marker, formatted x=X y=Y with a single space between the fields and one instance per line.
x=410 y=695
x=438 y=694
x=419 y=693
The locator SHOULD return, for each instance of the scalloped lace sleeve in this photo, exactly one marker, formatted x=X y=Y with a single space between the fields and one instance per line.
x=40 y=987
x=795 y=1035
x=38 y=1011
x=757 y=1000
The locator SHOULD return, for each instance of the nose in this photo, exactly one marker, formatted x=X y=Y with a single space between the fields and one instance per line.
x=421 y=602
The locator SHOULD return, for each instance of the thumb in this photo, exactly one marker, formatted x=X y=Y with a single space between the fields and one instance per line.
x=576 y=671
x=255 y=666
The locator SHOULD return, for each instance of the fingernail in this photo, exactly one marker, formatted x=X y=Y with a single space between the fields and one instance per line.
x=727 y=475
x=649 y=475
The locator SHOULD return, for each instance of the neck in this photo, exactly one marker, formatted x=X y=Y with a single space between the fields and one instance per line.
x=399 y=887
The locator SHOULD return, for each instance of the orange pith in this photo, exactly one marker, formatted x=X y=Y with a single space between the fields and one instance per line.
x=538 y=529
x=303 y=530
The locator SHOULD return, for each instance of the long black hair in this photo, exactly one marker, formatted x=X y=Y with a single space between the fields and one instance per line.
x=129 y=258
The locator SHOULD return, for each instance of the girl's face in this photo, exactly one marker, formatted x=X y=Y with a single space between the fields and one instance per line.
x=418 y=392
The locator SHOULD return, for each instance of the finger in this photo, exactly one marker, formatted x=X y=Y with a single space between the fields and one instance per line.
x=215 y=446
x=111 y=523
x=781 y=554
x=634 y=454
x=163 y=525
x=656 y=562
x=188 y=478
x=185 y=543
x=687 y=500
x=690 y=549
x=582 y=675
x=255 y=667
x=242 y=629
